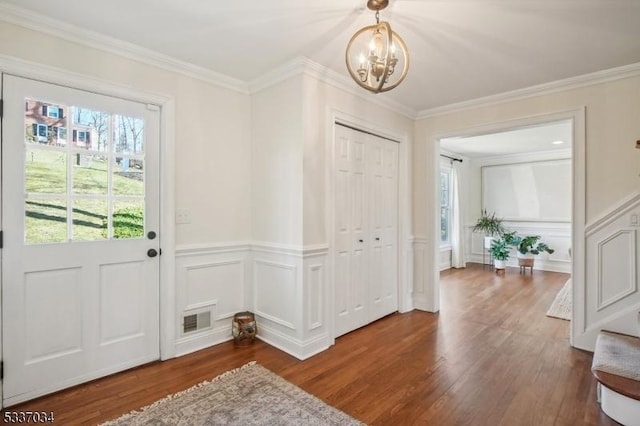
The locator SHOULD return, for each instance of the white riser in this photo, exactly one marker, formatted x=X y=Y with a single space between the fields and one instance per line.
x=619 y=407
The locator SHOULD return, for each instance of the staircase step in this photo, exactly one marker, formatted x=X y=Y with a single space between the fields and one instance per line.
x=616 y=363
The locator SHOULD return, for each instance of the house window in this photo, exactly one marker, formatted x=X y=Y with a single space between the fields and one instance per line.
x=42 y=132
x=51 y=111
x=445 y=207
x=81 y=137
x=60 y=134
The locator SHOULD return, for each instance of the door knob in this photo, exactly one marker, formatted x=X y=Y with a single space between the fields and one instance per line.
x=361 y=241
x=152 y=252
x=377 y=238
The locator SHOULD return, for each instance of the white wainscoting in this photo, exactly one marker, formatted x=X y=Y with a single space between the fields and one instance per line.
x=285 y=287
x=610 y=298
x=291 y=298
x=210 y=279
x=445 y=258
x=424 y=288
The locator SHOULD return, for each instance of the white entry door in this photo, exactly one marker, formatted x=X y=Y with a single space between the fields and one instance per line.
x=366 y=228
x=80 y=215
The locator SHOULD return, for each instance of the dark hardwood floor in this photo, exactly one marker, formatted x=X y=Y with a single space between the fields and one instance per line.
x=490 y=357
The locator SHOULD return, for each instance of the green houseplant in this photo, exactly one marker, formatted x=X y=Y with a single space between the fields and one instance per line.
x=500 y=251
x=490 y=225
x=527 y=247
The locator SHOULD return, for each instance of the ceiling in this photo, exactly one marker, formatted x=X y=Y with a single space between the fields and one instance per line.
x=524 y=140
x=460 y=49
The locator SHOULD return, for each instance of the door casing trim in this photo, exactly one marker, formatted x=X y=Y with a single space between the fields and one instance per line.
x=27 y=69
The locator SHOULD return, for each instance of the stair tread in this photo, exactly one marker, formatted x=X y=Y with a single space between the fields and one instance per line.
x=616 y=363
x=627 y=387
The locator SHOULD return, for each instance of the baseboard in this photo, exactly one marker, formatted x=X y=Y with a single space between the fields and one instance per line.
x=199 y=341
x=297 y=348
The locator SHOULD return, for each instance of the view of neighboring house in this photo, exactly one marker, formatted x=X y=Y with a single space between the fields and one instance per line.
x=48 y=124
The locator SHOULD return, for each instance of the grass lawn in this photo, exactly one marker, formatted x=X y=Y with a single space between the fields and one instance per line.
x=46 y=219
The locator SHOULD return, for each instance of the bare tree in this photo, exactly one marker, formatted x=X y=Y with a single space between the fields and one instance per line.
x=100 y=122
x=135 y=129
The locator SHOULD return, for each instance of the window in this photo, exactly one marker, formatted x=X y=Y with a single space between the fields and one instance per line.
x=52 y=111
x=445 y=206
x=42 y=132
x=81 y=137
x=60 y=134
x=73 y=192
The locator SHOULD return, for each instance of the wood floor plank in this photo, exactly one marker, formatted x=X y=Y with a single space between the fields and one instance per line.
x=489 y=357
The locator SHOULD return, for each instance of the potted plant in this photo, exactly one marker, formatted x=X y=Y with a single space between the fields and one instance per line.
x=527 y=248
x=500 y=251
x=490 y=225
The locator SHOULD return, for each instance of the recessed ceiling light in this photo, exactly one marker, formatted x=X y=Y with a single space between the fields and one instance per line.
x=557 y=142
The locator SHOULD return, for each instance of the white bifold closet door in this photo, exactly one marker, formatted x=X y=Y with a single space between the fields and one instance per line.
x=365 y=228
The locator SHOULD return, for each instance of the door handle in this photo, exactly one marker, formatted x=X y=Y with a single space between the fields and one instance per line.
x=377 y=238
x=152 y=252
x=361 y=241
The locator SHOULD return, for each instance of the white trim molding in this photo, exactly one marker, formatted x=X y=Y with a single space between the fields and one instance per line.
x=306 y=66
x=604 y=274
x=44 y=24
x=576 y=82
x=39 y=22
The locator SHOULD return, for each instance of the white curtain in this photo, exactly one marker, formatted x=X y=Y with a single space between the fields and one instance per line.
x=458 y=249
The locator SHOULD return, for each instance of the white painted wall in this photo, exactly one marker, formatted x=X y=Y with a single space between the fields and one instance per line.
x=277 y=163
x=212 y=130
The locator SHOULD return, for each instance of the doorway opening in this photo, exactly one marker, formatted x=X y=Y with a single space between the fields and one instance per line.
x=522 y=174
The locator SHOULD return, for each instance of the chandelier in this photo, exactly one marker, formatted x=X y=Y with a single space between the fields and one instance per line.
x=377 y=58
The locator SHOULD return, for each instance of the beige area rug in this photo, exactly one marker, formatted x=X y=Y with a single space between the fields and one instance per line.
x=249 y=395
x=561 y=306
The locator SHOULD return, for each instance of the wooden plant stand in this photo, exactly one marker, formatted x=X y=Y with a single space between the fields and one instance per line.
x=524 y=264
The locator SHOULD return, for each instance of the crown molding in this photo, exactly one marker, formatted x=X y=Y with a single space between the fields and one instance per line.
x=598 y=77
x=42 y=23
x=306 y=66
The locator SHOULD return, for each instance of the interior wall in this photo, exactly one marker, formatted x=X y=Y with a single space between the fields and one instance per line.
x=277 y=163
x=212 y=130
x=556 y=234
